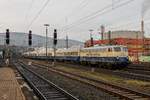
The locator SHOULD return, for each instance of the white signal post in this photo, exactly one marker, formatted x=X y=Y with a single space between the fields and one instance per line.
x=46 y=25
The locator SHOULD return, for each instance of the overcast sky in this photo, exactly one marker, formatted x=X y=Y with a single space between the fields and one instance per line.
x=70 y=16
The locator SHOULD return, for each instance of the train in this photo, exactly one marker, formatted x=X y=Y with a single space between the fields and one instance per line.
x=110 y=56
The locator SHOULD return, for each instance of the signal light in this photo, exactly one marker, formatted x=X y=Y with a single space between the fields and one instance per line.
x=7 y=33
x=7 y=41
x=55 y=36
x=92 y=42
x=30 y=35
x=30 y=42
x=30 y=38
x=7 y=36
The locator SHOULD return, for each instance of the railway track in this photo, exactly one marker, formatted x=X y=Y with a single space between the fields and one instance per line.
x=128 y=73
x=143 y=75
x=142 y=72
x=143 y=67
x=45 y=89
x=136 y=72
x=122 y=92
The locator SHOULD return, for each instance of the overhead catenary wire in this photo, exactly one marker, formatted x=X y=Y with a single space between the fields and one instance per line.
x=80 y=6
x=29 y=9
x=77 y=9
x=39 y=12
x=102 y=12
x=95 y=14
x=83 y=18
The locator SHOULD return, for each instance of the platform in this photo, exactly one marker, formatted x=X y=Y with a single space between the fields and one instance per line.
x=9 y=87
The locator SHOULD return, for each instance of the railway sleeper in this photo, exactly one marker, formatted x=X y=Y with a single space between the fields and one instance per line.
x=58 y=95
x=54 y=96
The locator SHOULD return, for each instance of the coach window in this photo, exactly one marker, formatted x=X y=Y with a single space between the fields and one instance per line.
x=109 y=50
x=104 y=49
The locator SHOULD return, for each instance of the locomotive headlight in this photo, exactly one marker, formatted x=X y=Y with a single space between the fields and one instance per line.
x=117 y=57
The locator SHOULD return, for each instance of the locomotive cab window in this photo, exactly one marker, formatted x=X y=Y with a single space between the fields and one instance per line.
x=125 y=49
x=117 y=49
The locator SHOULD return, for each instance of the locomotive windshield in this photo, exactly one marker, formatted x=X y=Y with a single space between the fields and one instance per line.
x=117 y=49
x=125 y=49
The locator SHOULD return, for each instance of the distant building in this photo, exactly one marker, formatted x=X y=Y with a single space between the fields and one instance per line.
x=124 y=34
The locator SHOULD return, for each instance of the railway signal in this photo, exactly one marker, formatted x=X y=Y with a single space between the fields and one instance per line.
x=91 y=38
x=7 y=36
x=55 y=37
x=30 y=38
x=109 y=37
x=55 y=43
x=92 y=41
x=7 y=55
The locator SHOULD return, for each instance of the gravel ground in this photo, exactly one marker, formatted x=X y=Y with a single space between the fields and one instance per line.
x=80 y=90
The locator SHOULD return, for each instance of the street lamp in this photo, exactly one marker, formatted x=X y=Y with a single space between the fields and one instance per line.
x=46 y=25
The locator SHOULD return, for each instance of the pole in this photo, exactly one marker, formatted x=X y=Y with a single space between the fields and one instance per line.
x=54 y=55
x=109 y=37
x=142 y=30
x=46 y=25
x=67 y=41
x=102 y=32
x=91 y=38
x=137 y=48
x=46 y=40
